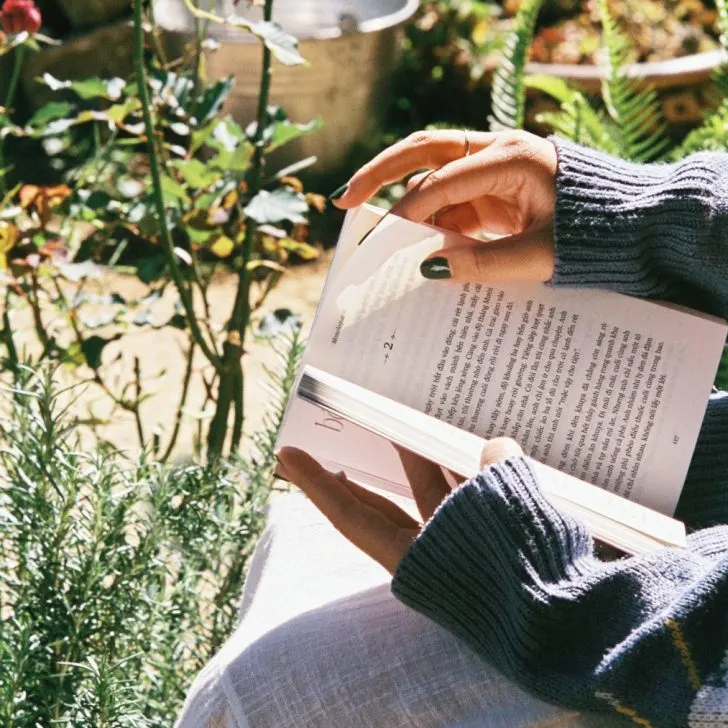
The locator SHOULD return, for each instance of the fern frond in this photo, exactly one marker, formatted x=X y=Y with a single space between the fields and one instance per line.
x=712 y=134
x=576 y=120
x=635 y=109
x=508 y=94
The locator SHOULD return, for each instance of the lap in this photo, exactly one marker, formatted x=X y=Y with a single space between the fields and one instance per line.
x=332 y=647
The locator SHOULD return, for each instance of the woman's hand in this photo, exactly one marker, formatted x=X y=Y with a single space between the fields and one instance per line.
x=506 y=185
x=371 y=522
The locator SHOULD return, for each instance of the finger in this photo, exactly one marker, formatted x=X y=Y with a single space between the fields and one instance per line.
x=499 y=448
x=421 y=150
x=498 y=216
x=416 y=179
x=485 y=214
x=460 y=219
x=528 y=256
x=491 y=171
x=427 y=481
x=382 y=504
x=360 y=523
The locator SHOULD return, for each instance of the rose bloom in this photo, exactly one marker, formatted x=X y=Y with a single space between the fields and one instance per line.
x=20 y=16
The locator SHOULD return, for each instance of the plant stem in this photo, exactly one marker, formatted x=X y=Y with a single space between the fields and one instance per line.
x=137 y=413
x=8 y=335
x=182 y=402
x=15 y=77
x=232 y=374
x=168 y=245
x=34 y=300
x=9 y=96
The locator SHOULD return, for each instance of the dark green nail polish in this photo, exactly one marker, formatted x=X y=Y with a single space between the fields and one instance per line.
x=436 y=268
x=339 y=191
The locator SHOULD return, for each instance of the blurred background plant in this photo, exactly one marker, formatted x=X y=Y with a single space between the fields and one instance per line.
x=152 y=173
x=452 y=47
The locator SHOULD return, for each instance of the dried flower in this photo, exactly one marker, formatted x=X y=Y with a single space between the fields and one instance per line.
x=20 y=16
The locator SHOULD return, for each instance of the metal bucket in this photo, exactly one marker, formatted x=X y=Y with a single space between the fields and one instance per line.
x=352 y=47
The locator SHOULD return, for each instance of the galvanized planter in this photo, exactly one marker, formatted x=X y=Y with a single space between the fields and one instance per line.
x=352 y=47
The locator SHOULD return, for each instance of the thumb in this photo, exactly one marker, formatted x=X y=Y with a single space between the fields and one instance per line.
x=499 y=448
x=526 y=256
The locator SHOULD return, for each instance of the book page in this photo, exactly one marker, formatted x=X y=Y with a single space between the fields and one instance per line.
x=617 y=521
x=607 y=388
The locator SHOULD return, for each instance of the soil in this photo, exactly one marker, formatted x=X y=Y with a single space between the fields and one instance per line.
x=162 y=360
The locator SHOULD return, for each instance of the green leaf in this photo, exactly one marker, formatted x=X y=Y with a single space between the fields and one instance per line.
x=234 y=150
x=282 y=45
x=93 y=347
x=151 y=268
x=51 y=112
x=118 y=112
x=286 y=131
x=201 y=235
x=280 y=321
x=195 y=173
x=58 y=127
x=228 y=135
x=213 y=98
x=174 y=190
x=306 y=251
x=89 y=88
x=281 y=204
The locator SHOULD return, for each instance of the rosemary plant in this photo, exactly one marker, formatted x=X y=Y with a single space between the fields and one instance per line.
x=118 y=579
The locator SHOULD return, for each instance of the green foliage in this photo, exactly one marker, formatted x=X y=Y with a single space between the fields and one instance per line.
x=713 y=133
x=628 y=122
x=577 y=119
x=154 y=175
x=444 y=56
x=508 y=98
x=638 y=129
x=118 y=579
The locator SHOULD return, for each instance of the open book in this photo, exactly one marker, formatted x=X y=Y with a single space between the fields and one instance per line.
x=606 y=389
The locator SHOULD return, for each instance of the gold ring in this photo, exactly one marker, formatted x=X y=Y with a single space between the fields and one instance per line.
x=467 y=143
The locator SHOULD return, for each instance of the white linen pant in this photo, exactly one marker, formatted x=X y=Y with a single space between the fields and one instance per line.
x=322 y=643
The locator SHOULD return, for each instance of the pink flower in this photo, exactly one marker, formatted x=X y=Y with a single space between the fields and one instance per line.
x=20 y=16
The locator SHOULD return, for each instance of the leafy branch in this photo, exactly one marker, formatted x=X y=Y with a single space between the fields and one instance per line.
x=231 y=381
x=167 y=243
x=283 y=45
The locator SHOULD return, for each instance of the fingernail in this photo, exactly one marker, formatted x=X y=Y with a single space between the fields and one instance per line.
x=339 y=191
x=436 y=268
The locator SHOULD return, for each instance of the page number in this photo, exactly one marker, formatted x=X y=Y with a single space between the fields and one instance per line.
x=389 y=345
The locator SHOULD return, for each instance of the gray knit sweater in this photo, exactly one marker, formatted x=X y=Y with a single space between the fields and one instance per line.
x=645 y=638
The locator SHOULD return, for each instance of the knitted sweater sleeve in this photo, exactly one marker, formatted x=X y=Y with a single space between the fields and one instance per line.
x=652 y=230
x=516 y=579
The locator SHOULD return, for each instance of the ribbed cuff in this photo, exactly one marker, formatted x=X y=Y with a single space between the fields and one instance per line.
x=480 y=566
x=647 y=230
